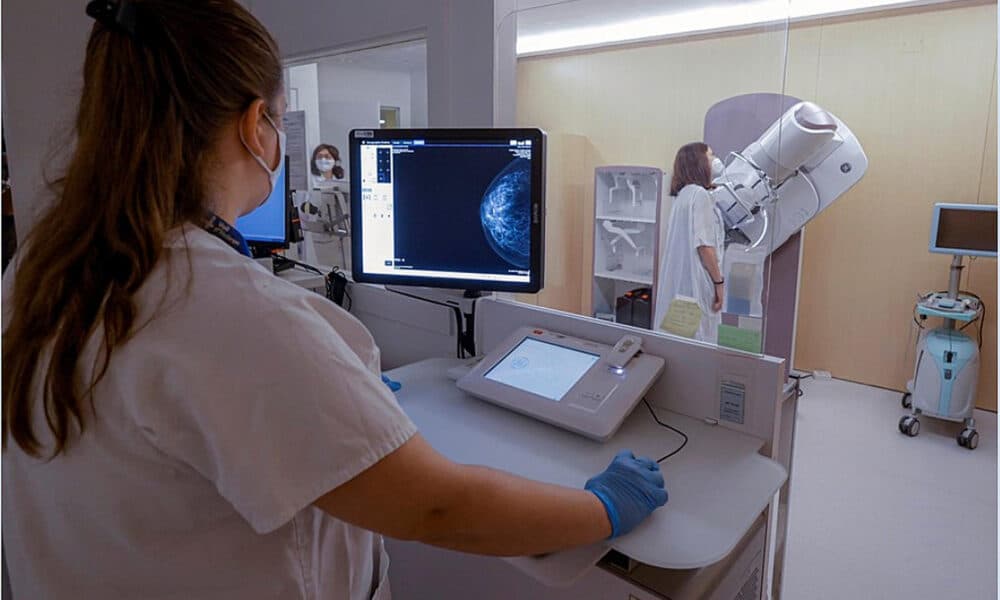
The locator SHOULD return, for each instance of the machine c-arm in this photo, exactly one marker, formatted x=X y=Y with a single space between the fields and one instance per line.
x=799 y=166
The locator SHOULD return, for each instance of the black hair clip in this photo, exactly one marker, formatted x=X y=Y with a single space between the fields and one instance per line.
x=121 y=16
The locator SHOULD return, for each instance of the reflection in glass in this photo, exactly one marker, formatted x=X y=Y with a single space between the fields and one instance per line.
x=629 y=101
x=388 y=117
x=328 y=96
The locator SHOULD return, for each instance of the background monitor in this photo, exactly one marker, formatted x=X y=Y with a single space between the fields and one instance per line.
x=964 y=229
x=448 y=208
x=269 y=226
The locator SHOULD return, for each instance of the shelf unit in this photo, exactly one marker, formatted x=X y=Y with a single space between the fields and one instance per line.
x=625 y=276
x=626 y=240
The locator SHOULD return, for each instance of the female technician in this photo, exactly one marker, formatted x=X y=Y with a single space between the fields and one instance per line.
x=325 y=166
x=692 y=257
x=179 y=423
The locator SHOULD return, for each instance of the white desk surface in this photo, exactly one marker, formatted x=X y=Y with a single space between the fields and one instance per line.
x=717 y=486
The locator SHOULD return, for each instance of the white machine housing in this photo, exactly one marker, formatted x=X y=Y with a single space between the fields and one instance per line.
x=600 y=398
x=946 y=375
x=798 y=167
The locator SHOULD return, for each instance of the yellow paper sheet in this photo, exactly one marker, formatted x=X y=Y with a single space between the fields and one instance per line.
x=683 y=317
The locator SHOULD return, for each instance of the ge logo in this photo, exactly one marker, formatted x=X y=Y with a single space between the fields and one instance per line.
x=520 y=362
x=845 y=168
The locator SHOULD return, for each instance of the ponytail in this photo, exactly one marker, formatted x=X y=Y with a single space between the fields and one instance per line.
x=158 y=86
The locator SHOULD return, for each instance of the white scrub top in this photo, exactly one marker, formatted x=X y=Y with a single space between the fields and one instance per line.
x=322 y=183
x=694 y=221
x=217 y=425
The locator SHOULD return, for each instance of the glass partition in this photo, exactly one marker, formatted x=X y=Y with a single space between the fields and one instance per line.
x=328 y=96
x=622 y=90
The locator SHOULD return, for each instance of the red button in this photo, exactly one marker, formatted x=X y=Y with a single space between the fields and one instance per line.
x=538 y=332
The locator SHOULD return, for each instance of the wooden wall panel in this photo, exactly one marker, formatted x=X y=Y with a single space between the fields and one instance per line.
x=917 y=89
x=566 y=202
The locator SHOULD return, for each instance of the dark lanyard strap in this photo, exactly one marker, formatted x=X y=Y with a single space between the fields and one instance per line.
x=226 y=232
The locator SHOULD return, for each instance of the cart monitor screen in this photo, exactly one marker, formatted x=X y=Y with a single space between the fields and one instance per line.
x=969 y=230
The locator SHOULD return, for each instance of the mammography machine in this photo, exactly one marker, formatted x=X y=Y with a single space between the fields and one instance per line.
x=947 y=368
x=576 y=384
x=798 y=167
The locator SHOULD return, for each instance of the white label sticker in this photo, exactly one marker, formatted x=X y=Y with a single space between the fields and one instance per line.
x=731 y=400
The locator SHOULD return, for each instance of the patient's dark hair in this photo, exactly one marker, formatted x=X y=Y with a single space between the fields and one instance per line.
x=691 y=166
x=338 y=171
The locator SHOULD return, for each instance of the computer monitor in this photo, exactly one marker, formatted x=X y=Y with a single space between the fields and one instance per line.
x=964 y=229
x=448 y=208
x=269 y=227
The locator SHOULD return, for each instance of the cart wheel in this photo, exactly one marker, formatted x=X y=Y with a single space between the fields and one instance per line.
x=909 y=425
x=969 y=438
x=907 y=400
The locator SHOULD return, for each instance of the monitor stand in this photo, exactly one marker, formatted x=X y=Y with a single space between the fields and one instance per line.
x=460 y=300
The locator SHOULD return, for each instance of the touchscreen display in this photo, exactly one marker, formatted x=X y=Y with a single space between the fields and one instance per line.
x=541 y=368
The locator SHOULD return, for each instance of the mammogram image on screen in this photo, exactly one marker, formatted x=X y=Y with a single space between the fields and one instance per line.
x=462 y=208
x=506 y=213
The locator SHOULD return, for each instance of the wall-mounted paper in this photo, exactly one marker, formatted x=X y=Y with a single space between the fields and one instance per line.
x=294 y=123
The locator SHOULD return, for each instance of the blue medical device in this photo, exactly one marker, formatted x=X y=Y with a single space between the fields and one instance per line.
x=947 y=368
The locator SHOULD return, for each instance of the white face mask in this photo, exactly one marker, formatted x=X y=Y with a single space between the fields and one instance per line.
x=325 y=164
x=718 y=168
x=272 y=175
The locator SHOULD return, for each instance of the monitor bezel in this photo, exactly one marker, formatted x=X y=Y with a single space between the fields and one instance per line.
x=264 y=247
x=536 y=279
x=933 y=247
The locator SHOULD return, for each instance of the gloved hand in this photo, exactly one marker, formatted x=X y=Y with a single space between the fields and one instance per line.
x=395 y=386
x=631 y=488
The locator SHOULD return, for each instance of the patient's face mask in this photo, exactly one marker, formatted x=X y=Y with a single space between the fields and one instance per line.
x=272 y=175
x=325 y=164
x=718 y=168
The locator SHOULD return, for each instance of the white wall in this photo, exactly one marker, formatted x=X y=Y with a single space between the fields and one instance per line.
x=304 y=79
x=44 y=41
x=459 y=35
x=350 y=97
x=43 y=47
x=418 y=98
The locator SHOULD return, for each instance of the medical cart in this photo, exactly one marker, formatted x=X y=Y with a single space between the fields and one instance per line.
x=947 y=368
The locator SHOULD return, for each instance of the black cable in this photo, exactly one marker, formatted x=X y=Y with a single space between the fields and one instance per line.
x=982 y=317
x=302 y=265
x=674 y=429
x=982 y=320
x=798 y=382
x=915 y=321
x=468 y=333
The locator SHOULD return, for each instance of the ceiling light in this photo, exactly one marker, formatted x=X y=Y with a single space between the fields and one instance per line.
x=698 y=20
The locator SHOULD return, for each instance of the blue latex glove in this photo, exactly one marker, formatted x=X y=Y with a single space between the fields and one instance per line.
x=395 y=386
x=631 y=488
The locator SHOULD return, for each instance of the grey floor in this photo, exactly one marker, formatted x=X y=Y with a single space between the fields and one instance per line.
x=875 y=514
